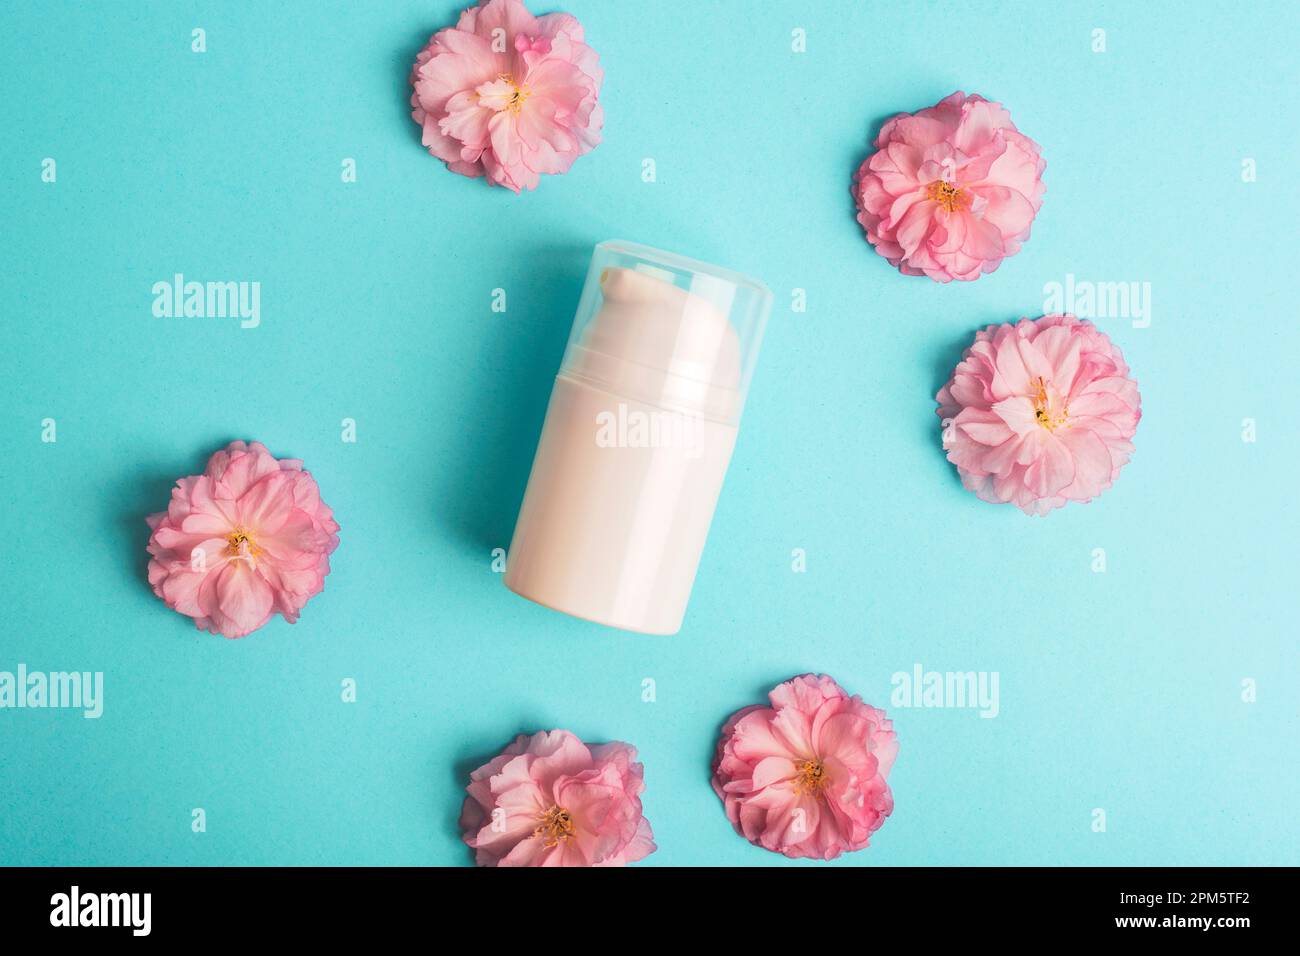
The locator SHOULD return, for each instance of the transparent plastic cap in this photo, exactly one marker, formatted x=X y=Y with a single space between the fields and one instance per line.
x=669 y=331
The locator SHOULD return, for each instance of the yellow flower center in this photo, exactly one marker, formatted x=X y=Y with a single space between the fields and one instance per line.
x=1043 y=412
x=520 y=95
x=811 y=778
x=240 y=542
x=555 y=826
x=947 y=195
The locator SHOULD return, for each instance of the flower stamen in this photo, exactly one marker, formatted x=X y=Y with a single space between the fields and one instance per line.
x=520 y=95
x=1043 y=407
x=949 y=196
x=239 y=543
x=556 y=825
x=811 y=779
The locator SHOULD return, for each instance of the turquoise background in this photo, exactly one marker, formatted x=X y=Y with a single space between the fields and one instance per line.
x=1119 y=690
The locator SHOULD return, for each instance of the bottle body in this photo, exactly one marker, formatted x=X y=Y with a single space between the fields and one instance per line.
x=618 y=508
x=638 y=434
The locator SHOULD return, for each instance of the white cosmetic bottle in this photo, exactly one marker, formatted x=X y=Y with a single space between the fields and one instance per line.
x=637 y=438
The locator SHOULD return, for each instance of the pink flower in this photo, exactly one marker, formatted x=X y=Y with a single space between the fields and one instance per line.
x=246 y=539
x=806 y=776
x=950 y=191
x=551 y=800
x=508 y=95
x=1040 y=413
